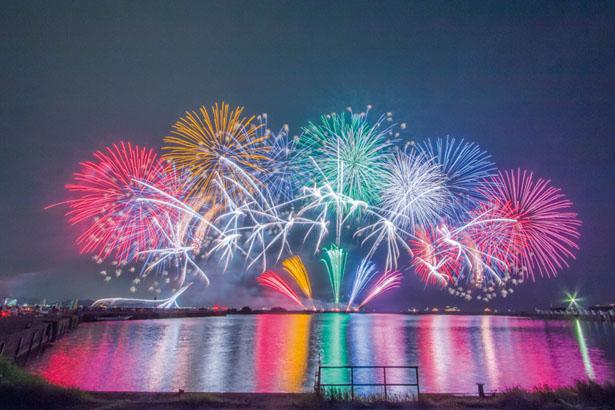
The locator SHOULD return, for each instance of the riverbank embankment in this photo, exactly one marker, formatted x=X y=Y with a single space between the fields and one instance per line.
x=97 y=315
x=24 y=336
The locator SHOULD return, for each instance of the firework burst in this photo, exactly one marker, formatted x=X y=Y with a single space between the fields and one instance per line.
x=107 y=200
x=346 y=152
x=465 y=165
x=544 y=235
x=219 y=142
x=229 y=187
x=414 y=191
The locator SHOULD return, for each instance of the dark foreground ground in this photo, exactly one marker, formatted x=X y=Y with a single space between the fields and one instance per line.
x=20 y=390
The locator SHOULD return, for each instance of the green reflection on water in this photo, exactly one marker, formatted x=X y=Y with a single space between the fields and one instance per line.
x=334 y=349
x=578 y=331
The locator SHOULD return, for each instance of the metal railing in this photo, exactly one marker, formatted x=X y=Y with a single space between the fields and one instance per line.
x=352 y=384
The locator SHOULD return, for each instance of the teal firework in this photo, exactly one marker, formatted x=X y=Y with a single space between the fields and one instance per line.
x=348 y=153
x=335 y=262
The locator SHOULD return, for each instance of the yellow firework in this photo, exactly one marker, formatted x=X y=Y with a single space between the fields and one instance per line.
x=221 y=148
x=295 y=267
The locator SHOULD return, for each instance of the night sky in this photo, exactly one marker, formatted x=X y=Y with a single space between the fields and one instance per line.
x=533 y=83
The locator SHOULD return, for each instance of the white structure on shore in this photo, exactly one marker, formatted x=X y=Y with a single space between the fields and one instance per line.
x=167 y=303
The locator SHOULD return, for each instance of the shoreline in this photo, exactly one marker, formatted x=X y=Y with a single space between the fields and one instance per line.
x=22 y=390
x=581 y=396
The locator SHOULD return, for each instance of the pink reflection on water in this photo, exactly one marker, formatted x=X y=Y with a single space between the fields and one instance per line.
x=489 y=350
x=433 y=346
x=388 y=334
x=388 y=338
x=280 y=352
x=282 y=347
x=91 y=369
x=456 y=352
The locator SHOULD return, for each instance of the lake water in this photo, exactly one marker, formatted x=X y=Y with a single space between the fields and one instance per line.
x=281 y=352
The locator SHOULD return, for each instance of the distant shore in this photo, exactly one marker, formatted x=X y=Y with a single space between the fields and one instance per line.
x=140 y=314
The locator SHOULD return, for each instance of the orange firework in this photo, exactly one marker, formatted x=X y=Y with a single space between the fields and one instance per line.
x=221 y=148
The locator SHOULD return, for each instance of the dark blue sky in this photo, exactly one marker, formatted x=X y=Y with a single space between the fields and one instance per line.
x=532 y=82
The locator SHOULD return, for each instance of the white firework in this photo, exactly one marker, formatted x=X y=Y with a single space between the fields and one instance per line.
x=414 y=192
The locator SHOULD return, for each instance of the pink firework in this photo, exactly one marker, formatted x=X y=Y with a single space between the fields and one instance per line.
x=386 y=282
x=118 y=196
x=273 y=281
x=544 y=234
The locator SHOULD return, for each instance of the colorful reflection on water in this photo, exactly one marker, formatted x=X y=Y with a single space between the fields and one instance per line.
x=281 y=353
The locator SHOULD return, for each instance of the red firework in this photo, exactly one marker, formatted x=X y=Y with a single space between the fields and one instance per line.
x=490 y=231
x=544 y=232
x=435 y=261
x=114 y=204
x=273 y=281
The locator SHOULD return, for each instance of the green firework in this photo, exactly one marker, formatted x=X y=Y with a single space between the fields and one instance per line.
x=335 y=262
x=346 y=152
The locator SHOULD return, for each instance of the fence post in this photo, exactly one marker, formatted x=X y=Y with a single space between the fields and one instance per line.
x=418 y=392
x=481 y=389
x=385 y=382
x=352 y=383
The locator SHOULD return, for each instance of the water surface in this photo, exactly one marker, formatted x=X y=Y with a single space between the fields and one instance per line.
x=281 y=352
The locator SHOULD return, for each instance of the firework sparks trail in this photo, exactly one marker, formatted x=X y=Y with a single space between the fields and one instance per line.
x=273 y=281
x=472 y=261
x=283 y=228
x=386 y=282
x=295 y=268
x=365 y=272
x=335 y=262
x=226 y=240
x=443 y=255
x=432 y=264
x=177 y=249
x=383 y=230
x=280 y=178
x=321 y=200
x=266 y=225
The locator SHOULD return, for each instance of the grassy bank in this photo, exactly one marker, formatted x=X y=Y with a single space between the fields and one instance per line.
x=20 y=390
